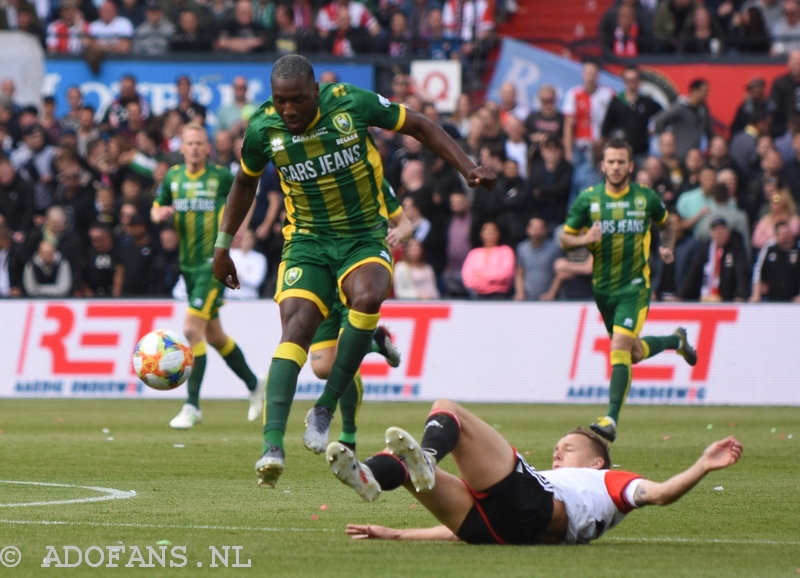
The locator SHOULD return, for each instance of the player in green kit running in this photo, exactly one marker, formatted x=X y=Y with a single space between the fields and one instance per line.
x=194 y=194
x=336 y=223
x=617 y=214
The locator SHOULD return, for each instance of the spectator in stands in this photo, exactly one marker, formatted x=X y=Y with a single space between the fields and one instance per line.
x=413 y=277
x=117 y=112
x=688 y=119
x=151 y=38
x=398 y=43
x=782 y=209
x=536 y=256
x=720 y=269
x=545 y=122
x=771 y=10
x=609 y=27
x=110 y=34
x=189 y=37
x=329 y=19
x=791 y=168
x=106 y=205
x=517 y=145
x=28 y=21
x=67 y=35
x=628 y=115
x=75 y=195
x=48 y=120
x=549 y=182
x=761 y=189
x=459 y=243
x=784 y=89
x=625 y=38
x=222 y=153
x=133 y=10
x=190 y=109
x=730 y=179
x=47 y=273
x=33 y=160
x=104 y=273
x=74 y=103
x=488 y=271
x=718 y=154
x=289 y=37
x=418 y=13
x=16 y=201
x=695 y=204
x=660 y=180
x=421 y=225
x=412 y=150
x=693 y=163
x=470 y=21
x=587 y=174
x=165 y=270
x=87 y=130
x=749 y=32
x=668 y=148
x=670 y=18
x=702 y=34
x=573 y=272
x=492 y=134
x=673 y=274
x=264 y=13
x=778 y=270
x=510 y=105
x=346 y=41
x=12 y=262
x=755 y=101
x=584 y=110
x=786 y=31
x=743 y=145
x=231 y=116
x=722 y=205
x=242 y=33
x=138 y=257
x=251 y=267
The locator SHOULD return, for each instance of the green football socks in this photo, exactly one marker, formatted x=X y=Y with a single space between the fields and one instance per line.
x=289 y=358
x=654 y=345
x=196 y=377
x=620 y=382
x=234 y=357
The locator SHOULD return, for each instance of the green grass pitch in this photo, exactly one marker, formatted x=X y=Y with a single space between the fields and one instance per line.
x=204 y=494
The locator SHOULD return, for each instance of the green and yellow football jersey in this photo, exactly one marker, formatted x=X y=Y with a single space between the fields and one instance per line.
x=621 y=256
x=199 y=201
x=331 y=175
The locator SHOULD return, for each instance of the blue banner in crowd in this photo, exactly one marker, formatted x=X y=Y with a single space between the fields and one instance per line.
x=529 y=68
x=156 y=81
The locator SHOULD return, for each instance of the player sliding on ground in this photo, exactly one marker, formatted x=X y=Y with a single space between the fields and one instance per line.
x=193 y=196
x=336 y=223
x=615 y=219
x=500 y=499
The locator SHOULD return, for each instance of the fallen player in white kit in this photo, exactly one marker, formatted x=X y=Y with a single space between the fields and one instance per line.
x=500 y=499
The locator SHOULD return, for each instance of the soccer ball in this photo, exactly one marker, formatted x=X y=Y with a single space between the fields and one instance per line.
x=163 y=359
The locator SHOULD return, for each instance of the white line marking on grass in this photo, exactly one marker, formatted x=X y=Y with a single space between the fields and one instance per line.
x=161 y=526
x=703 y=541
x=110 y=494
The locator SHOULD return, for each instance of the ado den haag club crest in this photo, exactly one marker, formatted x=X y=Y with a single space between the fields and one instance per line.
x=343 y=123
x=292 y=276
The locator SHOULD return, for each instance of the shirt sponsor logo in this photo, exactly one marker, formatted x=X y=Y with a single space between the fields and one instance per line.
x=618 y=205
x=343 y=123
x=611 y=226
x=348 y=138
x=321 y=165
x=635 y=213
x=310 y=135
x=194 y=204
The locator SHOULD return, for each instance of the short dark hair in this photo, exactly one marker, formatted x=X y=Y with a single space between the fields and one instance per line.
x=759 y=116
x=102 y=226
x=594 y=62
x=697 y=83
x=618 y=143
x=631 y=68
x=599 y=445
x=292 y=66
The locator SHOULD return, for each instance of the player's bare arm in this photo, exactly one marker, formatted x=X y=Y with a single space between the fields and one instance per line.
x=372 y=532
x=667 y=245
x=161 y=214
x=439 y=142
x=240 y=199
x=569 y=241
x=717 y=456
x=401 y=230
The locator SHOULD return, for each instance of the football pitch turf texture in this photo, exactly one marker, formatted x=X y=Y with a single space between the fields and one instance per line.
x=743 y=521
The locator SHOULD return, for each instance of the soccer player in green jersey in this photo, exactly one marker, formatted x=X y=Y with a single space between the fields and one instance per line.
x=615 y=219
x=193 y=195
x=336 y=223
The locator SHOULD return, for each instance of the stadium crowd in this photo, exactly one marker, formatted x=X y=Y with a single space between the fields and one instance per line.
x=75 y=191
x=427 y=29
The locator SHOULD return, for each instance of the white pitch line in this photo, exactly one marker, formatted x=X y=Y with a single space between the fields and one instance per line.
x=159 y=526
x=665 y=540
x=110 y=494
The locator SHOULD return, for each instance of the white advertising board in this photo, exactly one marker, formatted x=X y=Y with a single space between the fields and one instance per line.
x=507 y=352
x=438 y=81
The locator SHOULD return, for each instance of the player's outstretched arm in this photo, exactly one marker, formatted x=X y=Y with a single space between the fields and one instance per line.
x=570 y=241
x=240 y=199
x=370 y=532
x=667 y=242
x=439 y=142
x=717 y=456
